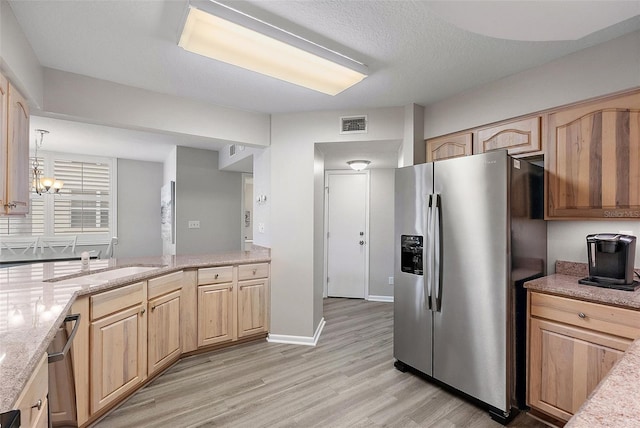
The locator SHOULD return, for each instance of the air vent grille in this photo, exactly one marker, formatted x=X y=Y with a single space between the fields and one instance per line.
x=353 y=124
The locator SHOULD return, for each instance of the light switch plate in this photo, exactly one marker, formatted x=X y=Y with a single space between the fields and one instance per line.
x=194 y=224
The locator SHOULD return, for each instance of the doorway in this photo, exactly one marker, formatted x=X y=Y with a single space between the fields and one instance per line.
x=246 y=231
x=347 y=232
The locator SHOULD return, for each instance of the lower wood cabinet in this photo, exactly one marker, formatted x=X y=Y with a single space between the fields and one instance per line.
x=572 y=346
x=118 y=343
x=252 y=307
x=32 y=402
x=164 y=324
x=131 y=333
x=163 y=331
x=215 y=314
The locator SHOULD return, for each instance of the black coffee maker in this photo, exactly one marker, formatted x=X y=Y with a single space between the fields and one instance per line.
x=611 y=259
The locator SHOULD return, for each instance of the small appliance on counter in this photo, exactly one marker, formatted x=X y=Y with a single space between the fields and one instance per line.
x=611 y=259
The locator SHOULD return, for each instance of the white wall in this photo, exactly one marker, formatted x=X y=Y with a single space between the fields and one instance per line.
x=262 y=186
x=212 y=197
x=602 y=69
x=318 y=235
x=295 y=221
x=108 y=103
x=413 y=150
x=18 y=61
x=607 y=68
x=139 y=186
x=381 y=231
x=169 y=175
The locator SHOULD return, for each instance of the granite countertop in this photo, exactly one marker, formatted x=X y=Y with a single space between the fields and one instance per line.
x=35 y=298
x=615 y=401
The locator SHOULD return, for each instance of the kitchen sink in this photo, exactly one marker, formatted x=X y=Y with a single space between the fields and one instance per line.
x=105 y=275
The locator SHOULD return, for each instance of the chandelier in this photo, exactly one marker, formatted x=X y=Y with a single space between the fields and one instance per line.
x=43 y=184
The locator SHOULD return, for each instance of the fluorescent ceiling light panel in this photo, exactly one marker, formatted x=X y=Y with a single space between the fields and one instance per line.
x=266 y=49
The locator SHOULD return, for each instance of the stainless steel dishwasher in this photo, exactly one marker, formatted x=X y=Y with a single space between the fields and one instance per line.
x=62 y=391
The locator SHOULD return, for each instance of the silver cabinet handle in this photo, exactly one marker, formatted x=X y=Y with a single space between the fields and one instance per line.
x=217 y=275
x=143 y=311
x=582 y=315
x=361 y=242
x=38 y=405
x=57 y=356
x=254 y=271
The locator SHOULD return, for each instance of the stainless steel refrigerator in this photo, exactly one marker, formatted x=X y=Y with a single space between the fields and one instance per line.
x=468 y=232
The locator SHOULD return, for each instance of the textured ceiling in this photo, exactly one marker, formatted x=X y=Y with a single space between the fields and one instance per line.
x=413 y=55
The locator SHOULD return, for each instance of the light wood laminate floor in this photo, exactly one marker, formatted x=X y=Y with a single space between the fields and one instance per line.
x=347 y=380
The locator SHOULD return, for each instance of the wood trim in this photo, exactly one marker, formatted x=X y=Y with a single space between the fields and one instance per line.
x=189 y=311
x=80 y=353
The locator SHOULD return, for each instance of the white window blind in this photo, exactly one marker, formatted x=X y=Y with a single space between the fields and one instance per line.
x=83 y=204
x=83 y=207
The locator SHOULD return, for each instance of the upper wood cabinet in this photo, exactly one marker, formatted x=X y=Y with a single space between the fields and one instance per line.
x=16 y=199
x=518 y=137
x=449 y=146
x=593 y=160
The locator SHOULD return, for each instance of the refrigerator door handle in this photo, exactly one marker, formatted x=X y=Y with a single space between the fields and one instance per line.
x=428 y=254
x=437 y=244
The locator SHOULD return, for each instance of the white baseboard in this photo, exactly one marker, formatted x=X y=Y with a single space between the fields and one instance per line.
x=298 y=340
x=388 y=299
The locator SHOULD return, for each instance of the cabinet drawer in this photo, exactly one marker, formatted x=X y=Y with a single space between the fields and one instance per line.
x=215 y=275
x=603 y=318
x=111 y=301
x=258 y=270
x=33 y=400
x=164 y=284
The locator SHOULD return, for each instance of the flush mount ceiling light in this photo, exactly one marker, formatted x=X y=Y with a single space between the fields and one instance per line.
x=358 y=165
x=217 y=31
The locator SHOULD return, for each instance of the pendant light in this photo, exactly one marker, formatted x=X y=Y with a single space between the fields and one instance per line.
x=42 y=184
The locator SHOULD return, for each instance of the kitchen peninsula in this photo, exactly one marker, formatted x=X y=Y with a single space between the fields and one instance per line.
x=37 y=297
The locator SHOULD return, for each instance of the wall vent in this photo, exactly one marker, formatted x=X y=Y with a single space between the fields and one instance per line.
x=353 y=124
x=232 y=150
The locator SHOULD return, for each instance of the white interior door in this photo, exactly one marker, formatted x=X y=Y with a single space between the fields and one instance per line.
x=347 y=248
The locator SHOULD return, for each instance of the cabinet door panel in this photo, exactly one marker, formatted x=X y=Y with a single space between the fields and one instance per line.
x=252 y=307
x=18 y=154
x=449 y=147
x=215 y=314
x=518 y=137
x=164 y=331
x=593 y=165
x=566 y=364
x=117 y=356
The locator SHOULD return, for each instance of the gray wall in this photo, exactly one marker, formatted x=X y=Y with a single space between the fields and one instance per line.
x=603 y=69
x=318 y=236
x=211 y=196
x=139 y=186
x=381 y=224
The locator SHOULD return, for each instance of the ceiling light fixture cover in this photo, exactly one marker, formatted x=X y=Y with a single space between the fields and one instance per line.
x=358 y=165
x=217 y=31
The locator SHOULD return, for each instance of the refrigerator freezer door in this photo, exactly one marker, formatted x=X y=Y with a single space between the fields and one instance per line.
x=412 y=324
x=470 y=328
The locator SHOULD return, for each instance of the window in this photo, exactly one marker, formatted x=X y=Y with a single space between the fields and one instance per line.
x=83 y=207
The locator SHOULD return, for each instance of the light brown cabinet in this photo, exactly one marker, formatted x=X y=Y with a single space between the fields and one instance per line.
x=449 y=146
x=253 y=294
x=216 y=306
x=572 y=346
x=517 y=137
x=14 y=145
x=164 y=344
x=593 y=160
x=32 y=402
x=118 y=343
